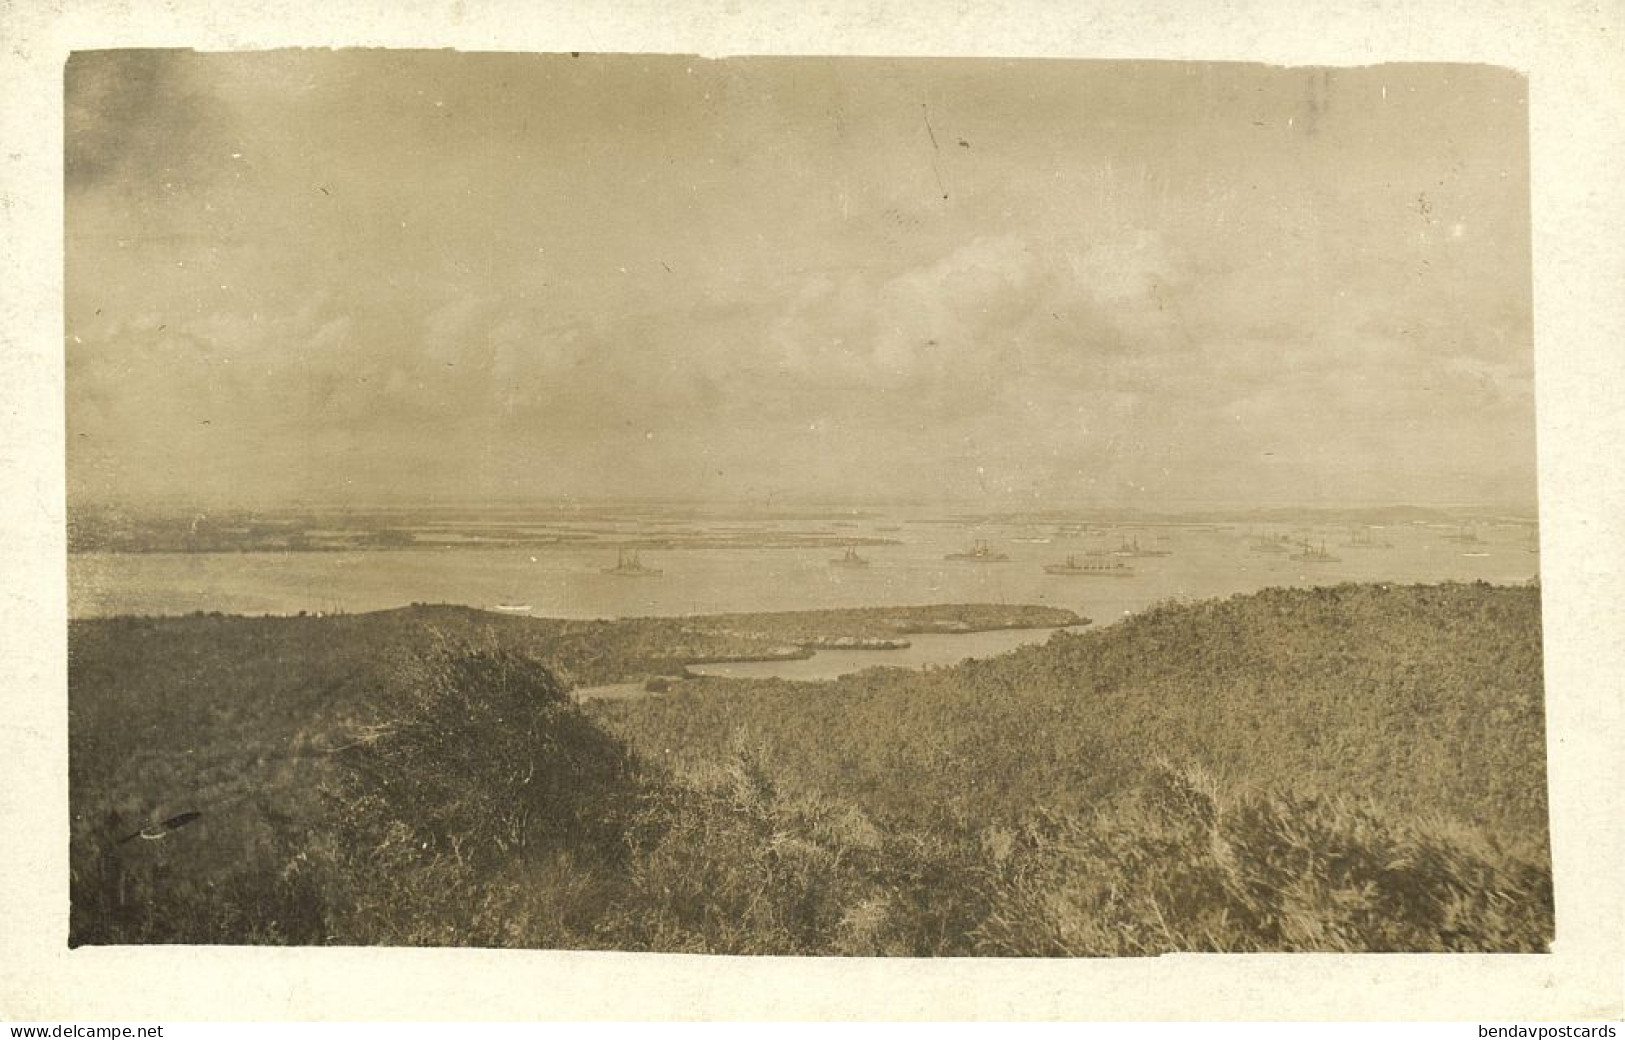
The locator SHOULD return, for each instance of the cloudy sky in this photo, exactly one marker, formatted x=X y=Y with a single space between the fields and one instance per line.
x=392 y=277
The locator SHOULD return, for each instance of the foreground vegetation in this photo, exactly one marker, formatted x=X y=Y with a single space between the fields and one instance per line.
x=1338 y=769
x=1426 y=699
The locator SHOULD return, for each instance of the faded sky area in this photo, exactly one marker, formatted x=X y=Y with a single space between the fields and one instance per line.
x=374 y=277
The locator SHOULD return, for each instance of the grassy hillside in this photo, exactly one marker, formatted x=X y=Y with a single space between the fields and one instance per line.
x=421 y=777
x=1424 y=698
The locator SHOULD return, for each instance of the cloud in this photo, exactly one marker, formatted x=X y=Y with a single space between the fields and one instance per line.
x=468 y=273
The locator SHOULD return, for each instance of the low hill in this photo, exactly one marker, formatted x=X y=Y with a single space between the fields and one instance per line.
x=272 y=649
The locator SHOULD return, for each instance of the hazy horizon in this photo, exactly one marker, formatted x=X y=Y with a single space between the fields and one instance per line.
x=182 y=506
x=376 y=278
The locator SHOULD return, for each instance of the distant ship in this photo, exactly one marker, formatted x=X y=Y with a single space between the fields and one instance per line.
x=1089 y=570
x=513 y=608
x=1360 y=538
x=1271 y=543
x=851 y=559
x=1465 y=535
x=1132 y=548
x=627 y=565
x=1312 y=555
x=980 y=554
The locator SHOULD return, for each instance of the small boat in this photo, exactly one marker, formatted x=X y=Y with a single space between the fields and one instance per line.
x=627 y=565
x=851 y=559
x=1476 y=554
x=1312 y=555
x=980 y=553
x=1072 y=568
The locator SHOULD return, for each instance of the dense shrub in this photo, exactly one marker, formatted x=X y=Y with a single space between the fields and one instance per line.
x=386 y=822
x=1185 y=865
x=479 y=765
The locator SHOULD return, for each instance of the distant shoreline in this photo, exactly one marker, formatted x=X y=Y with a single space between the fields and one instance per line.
x=107 y=530
x=832 y=541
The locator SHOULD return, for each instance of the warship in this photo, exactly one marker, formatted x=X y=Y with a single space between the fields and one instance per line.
x=1089 y=570
x=851 y=559
x=979 y=554
x=627 y=565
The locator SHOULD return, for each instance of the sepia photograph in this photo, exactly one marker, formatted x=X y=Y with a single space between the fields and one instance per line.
x=811 y=505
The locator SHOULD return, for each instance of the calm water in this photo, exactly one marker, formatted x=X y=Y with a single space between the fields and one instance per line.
x=569 y=581
x=923 y=650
